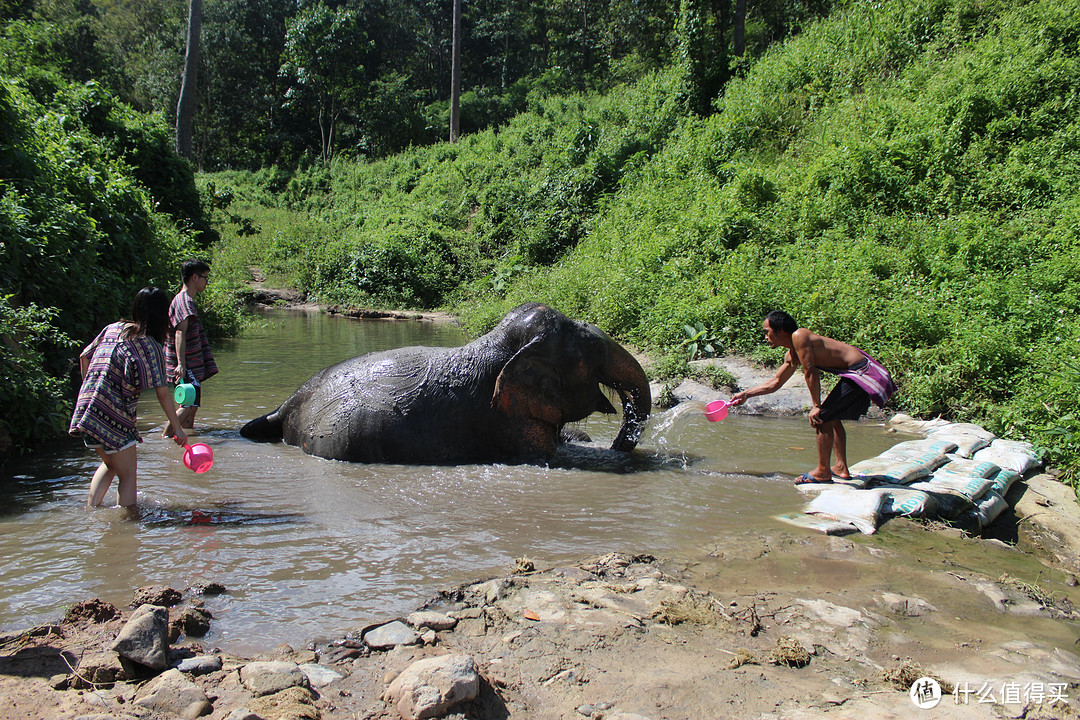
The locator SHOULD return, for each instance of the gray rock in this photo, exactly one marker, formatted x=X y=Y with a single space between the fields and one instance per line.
x=171 y=692
x=200 y=664
x=266 y=678
x=693 y=391
x=208 y=588
x=156 y=595
x=319 y=676
x=194 y=621
x=491 y=591
x=906 y=606
x=428 y=688
x=791 y=399
x=243 y=714
x=433 y=620
x=145 y=637
x=391 y=635
x=95 y=669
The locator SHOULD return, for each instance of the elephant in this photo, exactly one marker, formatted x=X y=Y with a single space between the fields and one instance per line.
x=504 y=397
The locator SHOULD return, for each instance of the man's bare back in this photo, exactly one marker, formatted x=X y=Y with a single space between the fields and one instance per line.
x=817 y=351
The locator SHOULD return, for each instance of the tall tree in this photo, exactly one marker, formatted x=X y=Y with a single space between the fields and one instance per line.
x=455 y=76
x=185 y=107
x=738 y=41
x=326 y=53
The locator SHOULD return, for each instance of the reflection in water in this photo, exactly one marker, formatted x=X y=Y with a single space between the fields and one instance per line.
x=309 y=547
x=224 y=515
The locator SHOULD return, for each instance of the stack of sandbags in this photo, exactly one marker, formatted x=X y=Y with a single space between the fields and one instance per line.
x=904 y=463
x=957 y=484
x=960 y=472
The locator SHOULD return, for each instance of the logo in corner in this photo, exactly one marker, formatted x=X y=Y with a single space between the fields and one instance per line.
x=925 y=693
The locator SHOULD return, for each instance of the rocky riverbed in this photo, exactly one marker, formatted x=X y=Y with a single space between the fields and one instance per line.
x=617 y=637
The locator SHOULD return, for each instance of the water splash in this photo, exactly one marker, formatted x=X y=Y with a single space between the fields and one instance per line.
x=666 y=428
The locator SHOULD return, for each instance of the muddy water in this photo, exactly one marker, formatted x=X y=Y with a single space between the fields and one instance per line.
x=311 y=548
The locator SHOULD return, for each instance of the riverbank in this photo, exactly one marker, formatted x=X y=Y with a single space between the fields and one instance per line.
x=614 y=637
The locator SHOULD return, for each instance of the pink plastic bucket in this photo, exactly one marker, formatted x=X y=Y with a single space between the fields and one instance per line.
x=717 y=410
x=198 y=457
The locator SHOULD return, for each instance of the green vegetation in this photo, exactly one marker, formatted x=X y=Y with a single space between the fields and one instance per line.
x=902 y=176
x=93 y=206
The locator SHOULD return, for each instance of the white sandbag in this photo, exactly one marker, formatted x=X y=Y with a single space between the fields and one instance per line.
x=897 y=469
x=965 y=428
x=969 y=466
x=926 y=445
x=816 y=522
x=900 y=500
x=1003 y=481
x=900 y=421
x=986 y=511
x=855 y=481
x=949 y=505
x=967 y=444
x=966 y=486
x=1021 y=445
x=1010 y=455
x=861 y=508
x=889 y=470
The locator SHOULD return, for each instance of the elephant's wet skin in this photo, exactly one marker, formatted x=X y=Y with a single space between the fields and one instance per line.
x=504 y=397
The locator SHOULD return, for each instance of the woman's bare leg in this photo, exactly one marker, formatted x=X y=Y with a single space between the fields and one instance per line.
x=103 y=478
x=123 y=466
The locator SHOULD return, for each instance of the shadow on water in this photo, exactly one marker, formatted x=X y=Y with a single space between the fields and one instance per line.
x=224 y=513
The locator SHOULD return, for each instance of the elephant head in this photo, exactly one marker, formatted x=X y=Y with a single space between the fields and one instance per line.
x=554 y=373
x=503 y=397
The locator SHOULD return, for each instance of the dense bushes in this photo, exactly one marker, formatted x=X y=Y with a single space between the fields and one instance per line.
x=79 y=234
x=901 y=175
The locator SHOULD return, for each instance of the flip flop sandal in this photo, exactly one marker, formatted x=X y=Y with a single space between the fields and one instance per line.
x=806 y=479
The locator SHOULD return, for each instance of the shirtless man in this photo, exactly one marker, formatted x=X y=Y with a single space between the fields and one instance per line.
x=861 y=380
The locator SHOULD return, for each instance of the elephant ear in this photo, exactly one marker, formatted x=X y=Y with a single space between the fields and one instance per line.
x=529 y=387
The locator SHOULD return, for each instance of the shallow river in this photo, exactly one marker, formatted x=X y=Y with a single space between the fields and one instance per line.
x=310 y=548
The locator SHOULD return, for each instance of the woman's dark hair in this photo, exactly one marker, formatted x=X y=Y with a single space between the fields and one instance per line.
x=149 y=314
x=190 y=267
x=780 y=320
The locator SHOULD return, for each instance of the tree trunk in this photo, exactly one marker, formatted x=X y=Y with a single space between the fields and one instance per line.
x=739 y=31
x=185 y=108
x=455 y=76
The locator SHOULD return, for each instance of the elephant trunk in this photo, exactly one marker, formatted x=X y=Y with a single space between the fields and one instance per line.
x=625 y=374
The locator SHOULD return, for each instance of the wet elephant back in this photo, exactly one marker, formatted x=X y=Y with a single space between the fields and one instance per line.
x=416 y=404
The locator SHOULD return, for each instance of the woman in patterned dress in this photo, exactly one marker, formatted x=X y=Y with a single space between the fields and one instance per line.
x=123 y=360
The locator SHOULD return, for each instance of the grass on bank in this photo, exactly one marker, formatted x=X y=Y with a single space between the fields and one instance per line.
x=902 y=176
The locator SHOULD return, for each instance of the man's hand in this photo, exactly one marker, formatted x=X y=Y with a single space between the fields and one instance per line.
x=738 y=398
x=815 y=416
